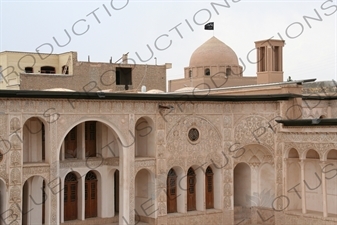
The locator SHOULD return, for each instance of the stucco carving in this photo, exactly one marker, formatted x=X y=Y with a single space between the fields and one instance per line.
x=150 y=163
x=15 y=141
x=15 y=176
x=15 y=194
x=15 y=158
x=254 y=129
x=35 y=171
x=194 y=153
x=14 y=124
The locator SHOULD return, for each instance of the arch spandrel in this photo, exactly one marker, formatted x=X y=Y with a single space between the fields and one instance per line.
x=254 y=129
x=195 y=151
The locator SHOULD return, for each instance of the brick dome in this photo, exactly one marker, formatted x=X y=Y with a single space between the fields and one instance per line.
x=213 y=53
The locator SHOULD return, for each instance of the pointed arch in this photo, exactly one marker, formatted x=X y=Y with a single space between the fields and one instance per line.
x=242 y=185
x=144 y=137
x=209 y=188
x=34 y=140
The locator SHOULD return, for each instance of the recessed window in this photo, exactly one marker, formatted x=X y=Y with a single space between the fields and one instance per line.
x=65 y=69
x=1 y=156
x=207 y=72
x=228 y=71
x=193 y=134
x=48 y=69
x=123 y=76
x=29 y=70
x=262 y=60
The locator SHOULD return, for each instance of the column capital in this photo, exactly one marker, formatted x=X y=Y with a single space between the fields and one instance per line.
x=301 y=162
x=323 y=164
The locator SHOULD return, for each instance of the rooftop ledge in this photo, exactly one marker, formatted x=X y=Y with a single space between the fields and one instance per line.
x=309 y=122
x=48 y=74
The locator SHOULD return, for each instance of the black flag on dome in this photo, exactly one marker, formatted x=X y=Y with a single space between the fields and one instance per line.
x=209 y=26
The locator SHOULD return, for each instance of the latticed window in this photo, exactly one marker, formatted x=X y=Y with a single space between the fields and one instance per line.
x=193 y=134
x=73 y=192
x=172 y=179
x=90 y=176
x=70 y=177
x=191 y=180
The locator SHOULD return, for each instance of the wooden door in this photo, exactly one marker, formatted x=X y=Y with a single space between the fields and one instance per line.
x=209 y=189
x=70 y=197
x=191 y=200
x=90 y=139
x=90 y=195
x=116 y=177
x=171 y=192
x=71 y=144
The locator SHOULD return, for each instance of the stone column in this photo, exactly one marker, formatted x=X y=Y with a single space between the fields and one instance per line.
x=325 y=205
x=61 y=192
x=304 y=208
x=81 y=198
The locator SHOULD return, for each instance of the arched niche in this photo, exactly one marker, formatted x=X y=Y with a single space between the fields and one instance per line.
x=332 y=154
x=331 y=180
x=293 y=185
x=313 y=181
x=312 y=154
x=145 y=138
x=34 y=201
x=144 y=189
x=266 y=185
x=293 y=154
x=34 y=140
x=242 y=185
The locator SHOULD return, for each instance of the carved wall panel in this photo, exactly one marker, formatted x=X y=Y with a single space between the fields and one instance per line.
x=15 y=176
x=254 y=129
x=150 y=164
x=15 y=141
x=15 y=158
x=29 y=106
x=35 y=171
x=15 y=194
x=14 y=105
x=14 y=125
x=180 y=148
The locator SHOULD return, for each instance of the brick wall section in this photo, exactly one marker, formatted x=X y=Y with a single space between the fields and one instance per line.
x=88 y=75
